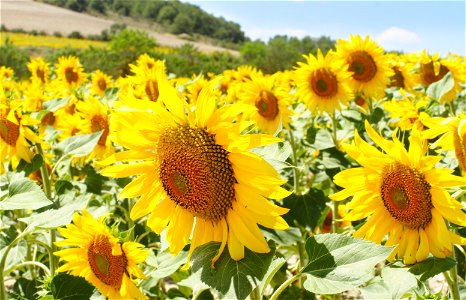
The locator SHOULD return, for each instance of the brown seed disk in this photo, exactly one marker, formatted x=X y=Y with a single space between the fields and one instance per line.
x=196 y=172
x=406 y=195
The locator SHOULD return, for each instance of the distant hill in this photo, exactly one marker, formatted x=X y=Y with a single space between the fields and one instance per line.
x=170 y=16
x=41 y=17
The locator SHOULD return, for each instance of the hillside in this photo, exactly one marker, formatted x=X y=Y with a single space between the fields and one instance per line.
x=31 y=15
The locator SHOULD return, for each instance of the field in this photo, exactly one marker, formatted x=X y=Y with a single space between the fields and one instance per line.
x=343 y=177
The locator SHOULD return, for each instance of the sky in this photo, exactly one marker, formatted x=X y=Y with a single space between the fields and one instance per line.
x=437 y=26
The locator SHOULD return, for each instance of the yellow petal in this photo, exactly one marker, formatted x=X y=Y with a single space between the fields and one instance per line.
x=205 y=105
x=235 y=247
x=126 y=170
x=256 y=202
x=179 y=229
x=160 y=216
x=222 y=224
x=412 y=238
x=423 y=250
x=147 y=203
x=245 y=232
x=135 y=187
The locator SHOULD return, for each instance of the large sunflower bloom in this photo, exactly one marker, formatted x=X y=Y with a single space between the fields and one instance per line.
x=322 y=83
x=195 y=169
x=271 y=102
x=403 y=195
x=100 y=258
x=452 y=132
x=365 y=59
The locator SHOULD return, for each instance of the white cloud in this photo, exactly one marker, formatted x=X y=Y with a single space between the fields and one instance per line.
x=266 y=33
x=396 y=38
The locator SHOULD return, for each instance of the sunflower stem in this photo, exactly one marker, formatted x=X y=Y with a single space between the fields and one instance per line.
x=295 y=164
x=3 y=262
x=335 y=128
x=369 y=105
x=34 y=263
x=284 y=285
x=453 y=282
x=48 y=192
x=255 y=294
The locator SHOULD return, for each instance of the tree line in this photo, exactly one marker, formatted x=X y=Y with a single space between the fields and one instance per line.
x=173 y=16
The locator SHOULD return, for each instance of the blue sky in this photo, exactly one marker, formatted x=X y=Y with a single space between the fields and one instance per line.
x=438 y=26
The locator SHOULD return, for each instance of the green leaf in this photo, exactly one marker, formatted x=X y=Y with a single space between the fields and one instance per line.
x=55 y=104
x=305 y=210
x=399 y=281
x=53 y=218
x=274 y=267
x=432 y=266
x=21 y=193
x=439 y=88
x=16 y=255
x=68 y=287
x=167 y=264
x=94 y=181
x=31 y=167
x=376 y=289
x=338 y=262
x=25 y=288
x=79 y=145
x=319 y=139
x=233 y=279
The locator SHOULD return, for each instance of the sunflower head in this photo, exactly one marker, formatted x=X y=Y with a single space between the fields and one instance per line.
x=100 y=82
x=39 y=70
x=270 y=100
x=69 y=71
x=99 y=257
x=192 y=168
x=403 y=196
x=322 y=82
x=367 y=63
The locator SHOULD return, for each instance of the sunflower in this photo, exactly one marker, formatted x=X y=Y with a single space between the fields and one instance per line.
x=322 y=83
x=15 y=135
x=101 y=258
x=452 y=132
x=6 y=73
x=100 y=82
x=433 y=68
x=271 y=102
x=95 y=118
x=406 y=111
x=39 y=69
x=365 y=59
x=402 y=76
x=402 y=194
x=144 y=83
x=194 y=170
x=69 y=71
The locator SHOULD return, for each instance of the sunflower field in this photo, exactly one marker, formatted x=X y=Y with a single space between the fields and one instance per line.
x=341 y=178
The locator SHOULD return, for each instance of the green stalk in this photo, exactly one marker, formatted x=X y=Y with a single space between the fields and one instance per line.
x=284 y=285
x=34 y=263
x=3 y=262
x=44 y=172
x=453 y=282
x=294 y=159
x=255 y=294
x=335 y=128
